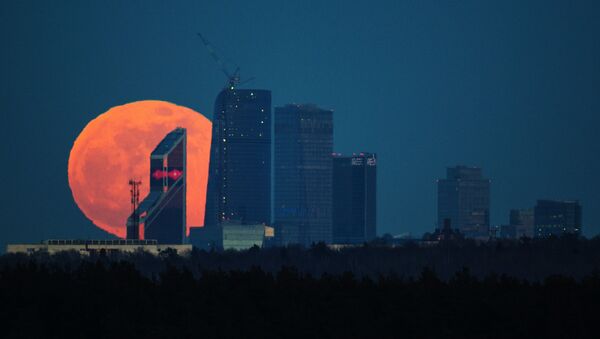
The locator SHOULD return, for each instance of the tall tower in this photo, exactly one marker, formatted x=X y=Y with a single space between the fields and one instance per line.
x=133 y=223
x=303 y=168
x=464 y=198
x=162 y=212
x=239 y=179
x=354 y=209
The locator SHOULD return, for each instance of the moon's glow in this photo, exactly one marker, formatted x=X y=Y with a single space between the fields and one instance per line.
x=116 y=146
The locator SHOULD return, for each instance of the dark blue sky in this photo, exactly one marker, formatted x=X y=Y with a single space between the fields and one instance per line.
x=511 y=86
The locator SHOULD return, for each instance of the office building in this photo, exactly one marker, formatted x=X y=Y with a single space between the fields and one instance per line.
x=464 y=198
x=555 y=218
x=523 y=222
x=303 y=144
x=503 y=231
x=162 y=213
x=239 y=179
x=230 y=235
x=354 y=204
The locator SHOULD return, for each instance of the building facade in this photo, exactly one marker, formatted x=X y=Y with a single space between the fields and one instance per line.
x=97 y=247
x=354 y=204
x=239 y=179
x=162 y=213
x=555 y=218
x=464 y=198
x=523 y=222
x=303 y=144
x=230 y=236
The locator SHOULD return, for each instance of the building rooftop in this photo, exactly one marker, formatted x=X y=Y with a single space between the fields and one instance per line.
x=169 y=141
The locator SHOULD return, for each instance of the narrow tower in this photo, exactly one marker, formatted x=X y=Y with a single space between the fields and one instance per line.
x=133 y=224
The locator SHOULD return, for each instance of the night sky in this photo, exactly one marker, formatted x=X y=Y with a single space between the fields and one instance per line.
x=511 y=86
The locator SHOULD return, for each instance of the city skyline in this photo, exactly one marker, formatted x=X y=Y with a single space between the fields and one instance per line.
x=298 y=168
x=514 y=98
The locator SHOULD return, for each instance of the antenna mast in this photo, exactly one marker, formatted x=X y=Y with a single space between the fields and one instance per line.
x=133 y=223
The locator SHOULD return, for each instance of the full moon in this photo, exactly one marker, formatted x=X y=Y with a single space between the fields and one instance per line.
x=116 y=146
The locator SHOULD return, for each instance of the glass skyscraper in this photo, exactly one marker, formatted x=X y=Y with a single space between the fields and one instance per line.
x=354 y=198
x=162 y=212
x=239 y=179
x=464 y=198
x=303 y=172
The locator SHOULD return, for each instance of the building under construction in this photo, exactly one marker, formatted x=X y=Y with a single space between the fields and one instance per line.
x=161 y=215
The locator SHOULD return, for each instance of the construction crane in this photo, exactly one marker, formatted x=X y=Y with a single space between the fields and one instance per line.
x=233 y=79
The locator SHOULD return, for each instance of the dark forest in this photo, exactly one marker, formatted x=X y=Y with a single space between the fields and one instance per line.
x=459 y=289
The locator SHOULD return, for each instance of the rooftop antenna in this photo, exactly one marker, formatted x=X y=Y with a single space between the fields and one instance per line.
x=233 y=79
x=133 y=223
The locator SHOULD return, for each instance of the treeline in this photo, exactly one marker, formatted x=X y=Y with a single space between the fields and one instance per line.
x=528 y=259
x=114 y=300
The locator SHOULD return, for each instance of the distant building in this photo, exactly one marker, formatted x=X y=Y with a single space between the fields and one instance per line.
x=444 y=233
x=230 y=236
x=523 y=222
x=89 y=247
x=354 y=209
x=464 y=198
x=162 y=212
x=239 y=179
x=303 y=172
x=503 y=231
x=555 y=218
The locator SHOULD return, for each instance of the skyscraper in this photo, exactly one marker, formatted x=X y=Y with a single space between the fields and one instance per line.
x=464 y=198
x=239 y=179
x=354 y=198
x=303 y=169
x=555 y=218
x=162 y=212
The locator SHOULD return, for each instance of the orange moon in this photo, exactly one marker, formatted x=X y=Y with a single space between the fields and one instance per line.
x=116 y=146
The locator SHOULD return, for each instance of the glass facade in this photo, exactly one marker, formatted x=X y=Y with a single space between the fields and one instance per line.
x=228 y=236
x=239 y=181
x=303 y=173
x=464 y=198
x=555 y=218
x=354 y=210
x=162 y=212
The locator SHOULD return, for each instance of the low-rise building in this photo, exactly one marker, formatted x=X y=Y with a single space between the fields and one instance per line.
x=231 y=236
x=87 y=247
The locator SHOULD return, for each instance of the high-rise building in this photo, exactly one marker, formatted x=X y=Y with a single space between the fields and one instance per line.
x=555 y=218
x=464 y=198
x=162 y=212
x=303 y=171
x=354 y=210
x=239 y=179
x=523 y=222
